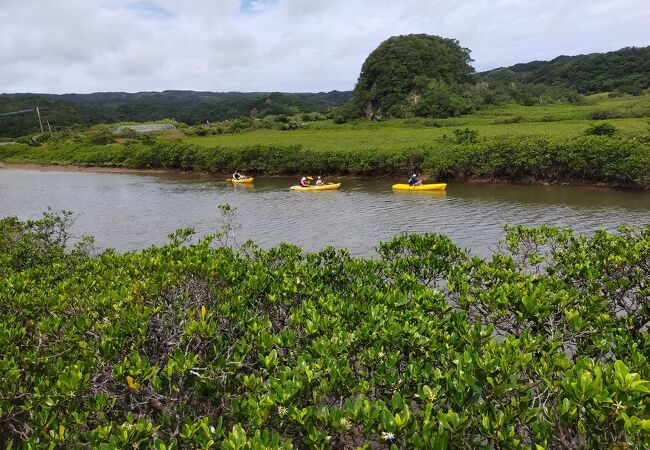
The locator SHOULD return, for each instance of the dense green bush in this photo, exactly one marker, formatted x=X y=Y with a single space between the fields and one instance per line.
x=34 y=243
x=544 y=346
x=605 y=115
x=466 y=136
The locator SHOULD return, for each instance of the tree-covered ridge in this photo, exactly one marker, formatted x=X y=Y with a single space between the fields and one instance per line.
x=196 y=107
x=626 y=70
x=183 y=106
x=543 y=346
x=401 y=70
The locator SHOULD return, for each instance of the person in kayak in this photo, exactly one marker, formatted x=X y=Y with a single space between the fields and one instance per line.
x=238 y=176
x=319 y=181
x=413 y=181
x=304 y=182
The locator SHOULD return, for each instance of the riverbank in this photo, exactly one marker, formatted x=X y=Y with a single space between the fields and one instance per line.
x=593 y=160
x=75 y=168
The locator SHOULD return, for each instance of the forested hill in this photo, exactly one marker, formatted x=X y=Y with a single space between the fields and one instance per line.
x=626 y=71
x=184 y=106
x=194 y=107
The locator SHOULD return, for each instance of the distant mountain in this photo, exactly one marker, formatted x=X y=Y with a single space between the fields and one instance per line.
x=626 y=70
x=190 y=107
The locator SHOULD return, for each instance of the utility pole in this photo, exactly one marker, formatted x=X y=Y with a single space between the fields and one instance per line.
x=39 y=119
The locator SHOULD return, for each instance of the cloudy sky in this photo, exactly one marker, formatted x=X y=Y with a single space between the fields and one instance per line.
x=60 y=46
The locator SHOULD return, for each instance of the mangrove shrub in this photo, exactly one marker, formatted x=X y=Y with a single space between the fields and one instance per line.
x=544 y=345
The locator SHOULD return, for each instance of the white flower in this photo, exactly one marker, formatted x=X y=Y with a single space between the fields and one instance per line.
x=282 y=411
x=212 y=429
x=380 y=354
x=387 y=436
x=345 y=423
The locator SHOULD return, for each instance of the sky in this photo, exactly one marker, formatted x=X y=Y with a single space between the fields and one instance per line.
x=83 y=46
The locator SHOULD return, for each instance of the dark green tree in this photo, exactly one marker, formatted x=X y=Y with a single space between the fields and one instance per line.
x=601 y=129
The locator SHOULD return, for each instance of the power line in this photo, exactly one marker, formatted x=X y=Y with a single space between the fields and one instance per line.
x=17 y=112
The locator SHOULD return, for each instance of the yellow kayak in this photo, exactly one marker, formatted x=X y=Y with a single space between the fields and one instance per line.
x=422 y=187
x=322 y=187
x=245 y=180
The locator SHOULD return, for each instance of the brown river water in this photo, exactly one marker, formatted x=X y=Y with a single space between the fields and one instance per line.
x=129 y=211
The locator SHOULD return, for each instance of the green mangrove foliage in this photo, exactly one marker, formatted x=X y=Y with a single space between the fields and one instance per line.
x=616 y=159
x=544 y=346
x=44 y=242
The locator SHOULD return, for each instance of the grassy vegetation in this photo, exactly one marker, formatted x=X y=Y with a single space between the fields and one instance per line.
x=629 y=115
x=543 y=346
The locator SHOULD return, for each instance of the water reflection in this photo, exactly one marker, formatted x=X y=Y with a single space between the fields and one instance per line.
x=432 y=193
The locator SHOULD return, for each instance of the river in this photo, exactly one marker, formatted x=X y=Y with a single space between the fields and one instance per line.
x=129 y=211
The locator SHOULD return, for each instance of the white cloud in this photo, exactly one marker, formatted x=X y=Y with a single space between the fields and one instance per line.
x=283 y=45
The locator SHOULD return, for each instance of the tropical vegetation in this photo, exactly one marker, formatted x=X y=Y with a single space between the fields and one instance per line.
x=544 y=345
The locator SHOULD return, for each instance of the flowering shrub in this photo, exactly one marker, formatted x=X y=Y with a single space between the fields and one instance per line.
x=544 y=345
